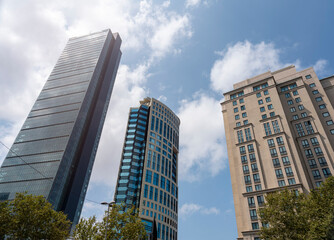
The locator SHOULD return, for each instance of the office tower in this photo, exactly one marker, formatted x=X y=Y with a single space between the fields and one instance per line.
x=148 y=171
x=279 y=134
x=54 y=152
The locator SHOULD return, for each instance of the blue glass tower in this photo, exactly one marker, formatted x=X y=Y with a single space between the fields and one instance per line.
x=148 y=176
x=54 y=152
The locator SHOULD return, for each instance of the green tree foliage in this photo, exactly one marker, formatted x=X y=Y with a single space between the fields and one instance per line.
x=121 y=225
x=292 y=216
x=32 y=217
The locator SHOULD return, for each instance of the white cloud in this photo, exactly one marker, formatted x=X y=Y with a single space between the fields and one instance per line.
x=189 y=209
x=241 y=61
x=192 y=3
x=202 y=147
x=162 y=98
x=320 y=67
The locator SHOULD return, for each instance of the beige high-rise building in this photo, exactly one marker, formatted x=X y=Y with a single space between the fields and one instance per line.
x=279 y=133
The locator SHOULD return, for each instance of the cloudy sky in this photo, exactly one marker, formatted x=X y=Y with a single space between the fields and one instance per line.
x=185 y=53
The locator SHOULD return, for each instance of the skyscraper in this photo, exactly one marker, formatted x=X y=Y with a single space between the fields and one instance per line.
x=279 y=134
x=54 y=152
x=147 y=175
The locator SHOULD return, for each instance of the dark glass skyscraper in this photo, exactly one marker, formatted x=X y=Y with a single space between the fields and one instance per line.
x=54 y=152
x=148 y=170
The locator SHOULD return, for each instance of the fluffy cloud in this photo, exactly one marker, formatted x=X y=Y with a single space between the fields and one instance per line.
x=320 y=67
x=202 y=147
x=189 y=209
x=192 y=3
x=241 y=61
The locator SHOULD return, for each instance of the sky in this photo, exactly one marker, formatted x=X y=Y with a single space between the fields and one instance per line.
x=185 y=53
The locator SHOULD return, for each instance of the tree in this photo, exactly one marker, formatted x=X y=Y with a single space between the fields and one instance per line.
x=32 y=217
x=123 y=223
x=288 y=215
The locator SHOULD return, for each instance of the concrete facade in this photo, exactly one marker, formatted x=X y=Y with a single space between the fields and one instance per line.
x=279 y=133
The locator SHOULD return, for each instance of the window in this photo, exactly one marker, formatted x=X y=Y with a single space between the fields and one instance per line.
x=312 y=163
x=308 y=153
x=156 y=179
x=235 y=109
x=318 y=184
x=279 y=140
x=292 y=109
x=258 y=187
x=312 y=85
x=258 y=95
x=330 y=122
x=272 y=114
x=250 y=148
x=244 y=115
x=295 y=117
x=291 y=181
x=315 y=92
x=265 y=92
x=254 y=167
x=245 y=122
x=289 y=172
x=242 y=150
x=237 y=117
x=264 y=116
x=295 y=93
x=322 y=161
x=247 y=179
x=260 y=101
x=256 y=177
x=287 y=95
x=281 y=183
x=308 y=77
x=284 y=89
x=238 y=124
x=273 y=152
x=326 y=172
x=322 y=106
x=245 y=169
x=285 y=161
x=276 y=162
x=290 y=102
x=279 y=173
x=234 y=103
x=271 y=142
x=316 y=174
x=260 y=200
x=318 y=99
x=262 y=109
x=249 y=189
x=267 y=129
x=301 y=107
x=252 y=213
x=148 y=177
x=304 y=114
x=298 y=100
x=314 y=141
x=251 y=202
x=248 y=134
x=244 y=159
x=268 y=99
x=282 y=150
x=300 y=129
x=255 y=226
x=318 y=151
x=332 y=131
x=240 y=136
x=308 y=127
x=252 y=157
x=270 y=106
x=276 y=126
x=241 y=100
x=292 y=86
x=242 y=107
x=305 y=143
x=162 y=182
x=325 y=114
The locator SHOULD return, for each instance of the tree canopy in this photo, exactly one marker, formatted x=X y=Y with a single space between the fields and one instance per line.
x=287 y=215
x=122 y=224
x=32 y=217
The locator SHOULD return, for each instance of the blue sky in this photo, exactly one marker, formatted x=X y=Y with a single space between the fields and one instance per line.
x=185 y=53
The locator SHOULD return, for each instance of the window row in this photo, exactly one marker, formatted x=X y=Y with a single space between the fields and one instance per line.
x=258 y=187
x=279 y=140
x=277 y=163
x=252 y=158
x=164 y=198
x=240 y=135
x=275 y=126
x=250 y=148
x=254 y=168
x=251 y=201
x=316 y=173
